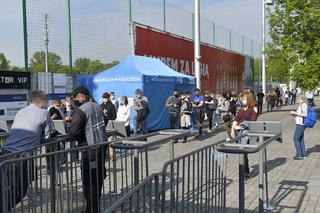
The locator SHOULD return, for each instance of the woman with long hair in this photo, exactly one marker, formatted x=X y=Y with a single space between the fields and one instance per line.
x=248 y=112
x=124 y=112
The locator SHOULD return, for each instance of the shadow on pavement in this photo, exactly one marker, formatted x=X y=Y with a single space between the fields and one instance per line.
x=316 y=148
x=271 y=164
x=285 y=191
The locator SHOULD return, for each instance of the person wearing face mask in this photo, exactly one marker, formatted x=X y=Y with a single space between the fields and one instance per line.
x=124 y=113
x=173 y=104
x=114 y=100
x=31 y=127
x=198 y=105
x=186 y=110
x=248 y=112
x=140 y=104
x=109 y=110
x=298 y=137
x=88 y=128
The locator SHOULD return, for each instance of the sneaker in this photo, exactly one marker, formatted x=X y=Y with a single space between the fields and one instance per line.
x=198 y=137
x=209 y=131
x=298 y=158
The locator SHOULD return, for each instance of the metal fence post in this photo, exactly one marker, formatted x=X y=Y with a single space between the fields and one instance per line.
x=241 y=184
x=25 y=35
x=230 y=39
x=164 y=16
x=136 y=166
x=70 y=38
x=214 y=33
x=261 y=176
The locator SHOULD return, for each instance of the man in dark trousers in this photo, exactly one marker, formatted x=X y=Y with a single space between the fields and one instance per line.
x=293 y=95
x=198 y=107
x=108 y=109
x=173 y=104
x=141 y=112
x=87 y=127
x=260 y=96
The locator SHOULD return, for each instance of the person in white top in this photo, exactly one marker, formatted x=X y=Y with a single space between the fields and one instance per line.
x=124 y=112
x=298 y=137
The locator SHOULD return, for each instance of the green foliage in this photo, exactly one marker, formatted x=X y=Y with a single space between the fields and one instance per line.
x=37 y=62
x=81 y=65
x=85 y=65
x=4 y=63
x=295 y=33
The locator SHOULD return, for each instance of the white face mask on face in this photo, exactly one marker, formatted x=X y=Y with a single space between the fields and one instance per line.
x=104 y=100
x=244 y=102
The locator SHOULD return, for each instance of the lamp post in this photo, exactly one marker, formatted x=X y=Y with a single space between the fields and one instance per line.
x=46 y=42
x=263 y=56
x=197 y=56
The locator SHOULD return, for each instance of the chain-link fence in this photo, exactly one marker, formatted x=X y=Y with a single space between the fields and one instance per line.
x=99 y=30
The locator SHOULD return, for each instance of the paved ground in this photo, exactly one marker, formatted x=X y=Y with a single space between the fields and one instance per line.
x=294 y=186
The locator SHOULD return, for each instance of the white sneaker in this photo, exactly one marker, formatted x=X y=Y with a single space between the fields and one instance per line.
x=209 y=131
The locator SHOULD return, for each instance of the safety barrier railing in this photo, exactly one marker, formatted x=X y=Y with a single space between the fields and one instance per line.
x=50 y=183
x=144 y=197
x=260 y=135
x=195 y=182
x=70 y=179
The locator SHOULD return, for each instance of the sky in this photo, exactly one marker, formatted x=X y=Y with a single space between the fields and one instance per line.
x=242 y=16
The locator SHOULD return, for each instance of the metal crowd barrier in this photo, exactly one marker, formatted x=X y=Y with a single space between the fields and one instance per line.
x=45 y=183
x=144 y=197
x=266 y=133
x=194 y=182
x=69 y=180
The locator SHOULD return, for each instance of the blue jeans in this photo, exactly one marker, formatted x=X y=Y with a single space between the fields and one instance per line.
x=298 y=139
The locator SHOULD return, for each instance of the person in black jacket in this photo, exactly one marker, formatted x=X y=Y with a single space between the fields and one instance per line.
x=87 y=127
x=142 y=111
x=108 y=108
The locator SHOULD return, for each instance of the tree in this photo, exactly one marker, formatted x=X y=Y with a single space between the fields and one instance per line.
x=82 y=65
x=4 y=63
x=16 y=68
x=295 y=32
x=37 y=62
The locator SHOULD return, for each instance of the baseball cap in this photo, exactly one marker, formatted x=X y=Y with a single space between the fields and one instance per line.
x=106 y=95
x=80 y=90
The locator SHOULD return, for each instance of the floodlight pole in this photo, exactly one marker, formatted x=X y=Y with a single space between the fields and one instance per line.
x=263 y=56
x=197 y=55
x=46 y=41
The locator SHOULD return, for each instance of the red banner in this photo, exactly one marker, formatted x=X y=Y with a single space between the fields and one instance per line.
x=220 y=70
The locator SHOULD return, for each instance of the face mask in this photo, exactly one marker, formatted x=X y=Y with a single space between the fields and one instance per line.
x=77 y=103
x=176 y=95
x=104 y=100
x=245 y=102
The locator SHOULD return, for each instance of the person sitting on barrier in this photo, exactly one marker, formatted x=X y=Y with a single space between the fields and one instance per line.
x=173 y=104
x=88 y=128
x=31 y=126
x=298 y=137
x=186 y=110
x=248 y=112
x=142 y=111
x=198 y=108
x=124 y=113
x=108 y=109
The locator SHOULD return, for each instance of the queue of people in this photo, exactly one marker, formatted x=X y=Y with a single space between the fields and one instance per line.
x=86 y=123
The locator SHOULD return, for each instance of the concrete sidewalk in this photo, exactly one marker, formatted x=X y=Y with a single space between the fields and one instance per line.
x=294 y=186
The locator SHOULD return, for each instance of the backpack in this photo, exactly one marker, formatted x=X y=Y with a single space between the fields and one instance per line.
x=311 y=118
